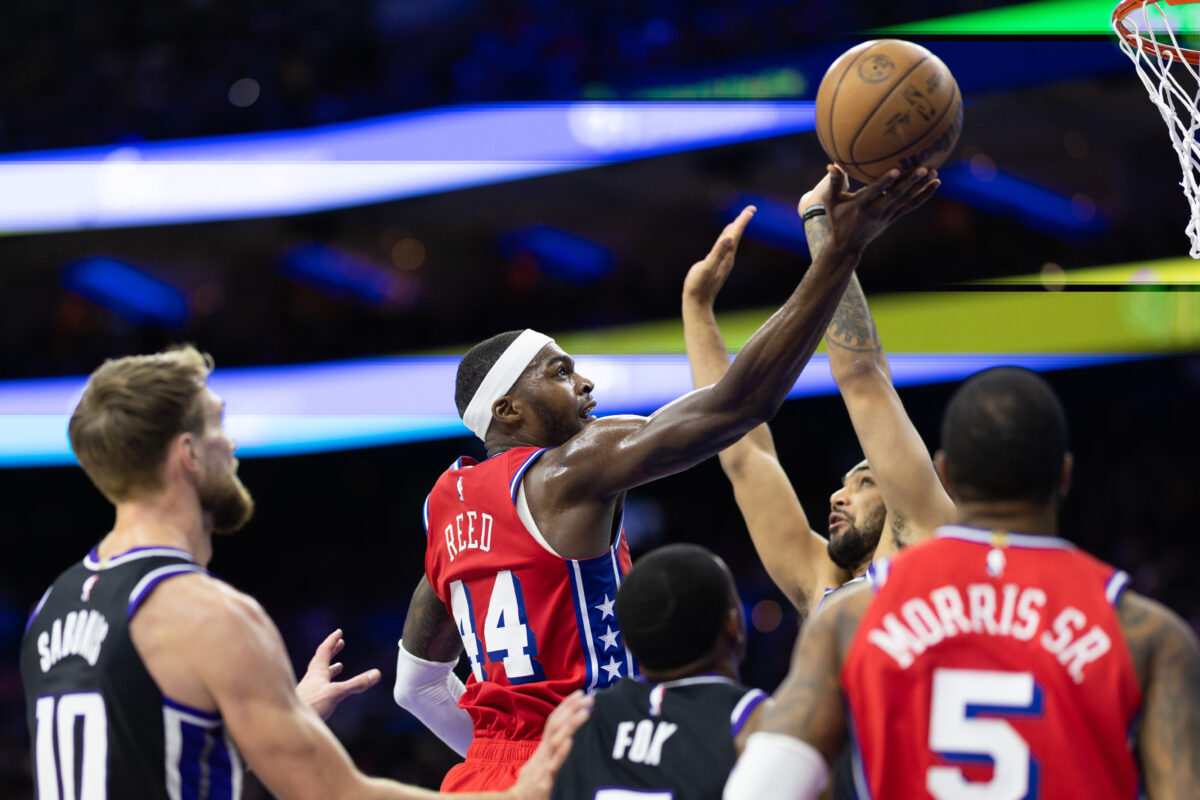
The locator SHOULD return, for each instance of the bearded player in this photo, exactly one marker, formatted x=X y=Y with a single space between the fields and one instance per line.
x=890 y=499
x=145 y=676
x=995 y=660
x=525 y=550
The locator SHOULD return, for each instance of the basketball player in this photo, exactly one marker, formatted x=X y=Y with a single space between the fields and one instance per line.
x=996 y=659
x=525 y=551
x=146 y=677
x=890 y=499
x=673 y=732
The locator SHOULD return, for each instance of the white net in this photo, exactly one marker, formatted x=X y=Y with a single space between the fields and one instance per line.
x=1174 y=87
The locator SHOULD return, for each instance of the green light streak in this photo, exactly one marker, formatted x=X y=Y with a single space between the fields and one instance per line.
x=1146 y=317
x=1056 y=17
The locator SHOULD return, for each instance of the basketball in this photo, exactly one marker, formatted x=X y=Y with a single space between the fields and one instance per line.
x=888 y=103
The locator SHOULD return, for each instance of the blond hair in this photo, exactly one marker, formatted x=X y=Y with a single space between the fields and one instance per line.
x=130 y=411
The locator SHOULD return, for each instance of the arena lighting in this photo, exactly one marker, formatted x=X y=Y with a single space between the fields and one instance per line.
x=368 y=161
x=559 y=253
x=1033 y=206
x=777 y=224
x=1053 y=17
x=127 y=291
x=276 y=411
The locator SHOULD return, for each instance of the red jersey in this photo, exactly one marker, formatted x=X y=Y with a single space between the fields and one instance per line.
x=535 y=626
x=992 y=665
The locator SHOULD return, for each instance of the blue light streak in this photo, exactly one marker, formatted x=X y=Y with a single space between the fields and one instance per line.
x=292 y=410
x=369 y=161
x=127 y=291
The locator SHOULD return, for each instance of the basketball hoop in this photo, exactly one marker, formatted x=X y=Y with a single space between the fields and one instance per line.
x=1148 y=38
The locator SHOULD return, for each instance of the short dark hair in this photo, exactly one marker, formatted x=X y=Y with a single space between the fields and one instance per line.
x=475 y=365
x=1004 y=435
x=673 y=603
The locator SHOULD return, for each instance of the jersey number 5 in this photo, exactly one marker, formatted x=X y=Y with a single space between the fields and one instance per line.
x=507 y=638
x=88 y=707
x=967 y=727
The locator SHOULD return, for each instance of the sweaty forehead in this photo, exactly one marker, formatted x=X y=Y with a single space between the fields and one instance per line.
x=548 y=354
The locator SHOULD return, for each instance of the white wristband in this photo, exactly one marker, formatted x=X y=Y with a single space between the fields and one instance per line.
x=429 y=690
x=775 y=765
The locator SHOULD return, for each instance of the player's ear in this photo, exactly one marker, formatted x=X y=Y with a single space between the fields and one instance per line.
x=1064 y=479
x=507 y=409
x=184 y=451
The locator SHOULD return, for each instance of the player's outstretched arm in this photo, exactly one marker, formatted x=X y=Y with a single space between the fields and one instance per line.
x=318 y=687
x=1167 y=658
x=230 y=657
x=899 y=461
x=426 y=685
x=795 y=556
x=706 y=421
x=804 y=729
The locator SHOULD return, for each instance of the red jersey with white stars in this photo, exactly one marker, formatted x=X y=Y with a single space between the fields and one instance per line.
x=535 y=626
x=992 y=665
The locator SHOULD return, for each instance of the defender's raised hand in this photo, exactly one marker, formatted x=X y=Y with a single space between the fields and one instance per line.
x=706 y=277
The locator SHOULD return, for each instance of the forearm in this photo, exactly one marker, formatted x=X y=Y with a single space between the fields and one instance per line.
x=763 y=373
x=708 y=357
x=851 y=338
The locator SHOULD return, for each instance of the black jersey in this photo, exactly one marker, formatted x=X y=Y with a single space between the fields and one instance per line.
x=670 y=740
x=99 y=724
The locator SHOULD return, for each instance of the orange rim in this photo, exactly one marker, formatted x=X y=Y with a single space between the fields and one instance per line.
x=1125 y=7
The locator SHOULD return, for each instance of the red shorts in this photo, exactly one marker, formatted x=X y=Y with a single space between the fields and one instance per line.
x=491 y=765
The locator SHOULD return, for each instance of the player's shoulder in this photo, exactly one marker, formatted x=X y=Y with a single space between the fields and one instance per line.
x=1150 y=627
x=201 y=605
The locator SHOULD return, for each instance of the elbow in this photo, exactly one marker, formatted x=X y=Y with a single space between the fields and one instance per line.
x=862 y=368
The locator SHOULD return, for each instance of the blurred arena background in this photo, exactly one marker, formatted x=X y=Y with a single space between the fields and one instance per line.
x=1057 y=239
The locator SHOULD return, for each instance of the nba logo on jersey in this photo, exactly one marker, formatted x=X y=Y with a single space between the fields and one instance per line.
x=86 y=594
x=995 y=562
x=460 y=497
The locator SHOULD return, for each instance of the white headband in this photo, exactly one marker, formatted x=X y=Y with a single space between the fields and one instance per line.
x=500 y=378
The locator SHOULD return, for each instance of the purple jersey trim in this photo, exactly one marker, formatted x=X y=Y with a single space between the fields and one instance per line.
x=37 y=609
x=92 y=560
x=744 y=708
x=152 y=579
x=184 y=707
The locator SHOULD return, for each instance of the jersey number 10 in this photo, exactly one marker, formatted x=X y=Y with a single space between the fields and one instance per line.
x=89 y=707
x=507 y=638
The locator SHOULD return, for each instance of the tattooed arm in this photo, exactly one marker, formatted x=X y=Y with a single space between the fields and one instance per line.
x=1167 y=659
x=429 y=632
x=795 y=556
x=804 y=730
x=617 y=453
x=898 y=459
x=809 y=704
x=426 y=685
